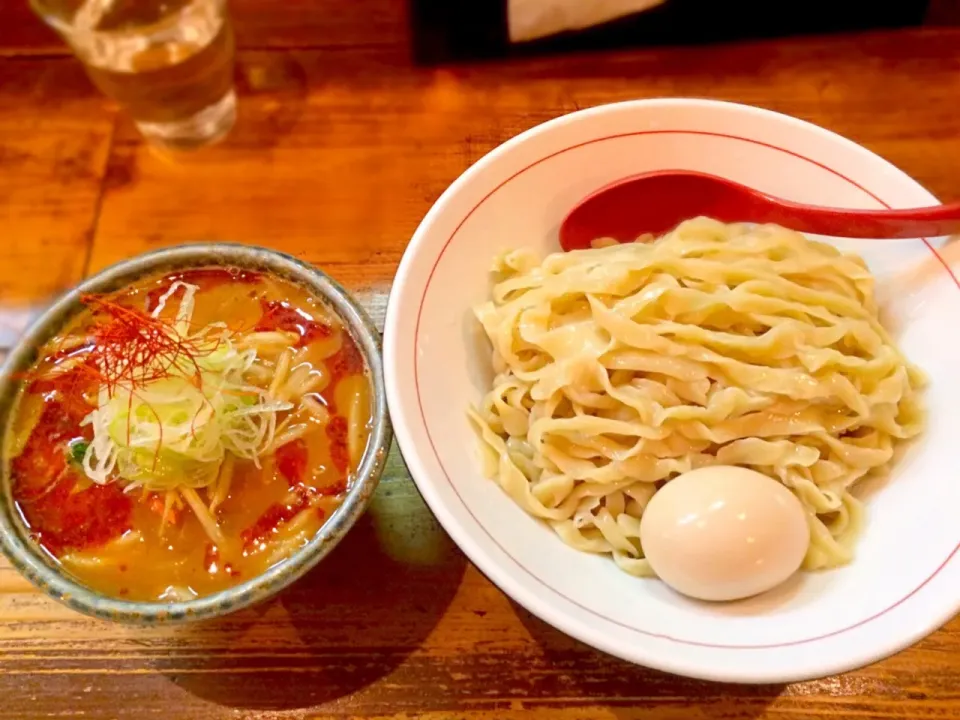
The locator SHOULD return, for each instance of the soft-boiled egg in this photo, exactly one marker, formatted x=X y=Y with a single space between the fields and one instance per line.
x=724 y=533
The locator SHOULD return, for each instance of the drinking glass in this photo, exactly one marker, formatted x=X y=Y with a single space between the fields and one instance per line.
x=169 y=63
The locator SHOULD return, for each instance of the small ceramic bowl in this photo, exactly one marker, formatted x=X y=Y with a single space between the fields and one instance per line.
x=37 y=566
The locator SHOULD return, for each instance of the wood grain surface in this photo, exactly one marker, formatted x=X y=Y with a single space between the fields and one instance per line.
x=340 y=149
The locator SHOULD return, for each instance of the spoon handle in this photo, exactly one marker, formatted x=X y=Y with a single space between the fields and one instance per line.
x=889 y=224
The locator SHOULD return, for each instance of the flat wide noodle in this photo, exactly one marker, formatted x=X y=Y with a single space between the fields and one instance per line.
x=621 y=366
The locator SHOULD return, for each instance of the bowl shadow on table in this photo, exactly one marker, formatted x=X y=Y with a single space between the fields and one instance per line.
x=351 y=621
x=624 y=688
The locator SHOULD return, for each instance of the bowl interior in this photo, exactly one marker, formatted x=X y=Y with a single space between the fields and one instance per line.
x=438 y=362
x=46 y=573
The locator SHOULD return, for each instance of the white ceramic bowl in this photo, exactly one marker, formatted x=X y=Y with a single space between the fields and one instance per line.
x=905 y=581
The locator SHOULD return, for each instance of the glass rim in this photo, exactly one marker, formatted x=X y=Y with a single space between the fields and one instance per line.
x=68 y=30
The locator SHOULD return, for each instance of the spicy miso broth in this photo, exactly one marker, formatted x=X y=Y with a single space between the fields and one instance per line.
x=186 y=433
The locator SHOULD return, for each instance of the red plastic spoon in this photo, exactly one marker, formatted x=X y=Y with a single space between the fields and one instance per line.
x=656 y=202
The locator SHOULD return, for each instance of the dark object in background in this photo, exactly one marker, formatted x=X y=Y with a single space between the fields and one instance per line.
x=449 y=30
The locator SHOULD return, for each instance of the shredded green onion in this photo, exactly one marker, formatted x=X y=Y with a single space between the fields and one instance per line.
x=76 y=451
x=175 y=431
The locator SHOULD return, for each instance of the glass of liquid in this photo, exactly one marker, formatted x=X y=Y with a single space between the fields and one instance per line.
x=169 y=63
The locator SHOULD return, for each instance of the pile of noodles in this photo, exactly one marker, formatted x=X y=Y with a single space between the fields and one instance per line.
x=619 y=367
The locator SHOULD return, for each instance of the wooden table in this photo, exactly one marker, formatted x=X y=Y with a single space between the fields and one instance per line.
x=339 y=151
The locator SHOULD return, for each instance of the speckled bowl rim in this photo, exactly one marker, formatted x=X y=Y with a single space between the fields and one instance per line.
x=33 y=562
